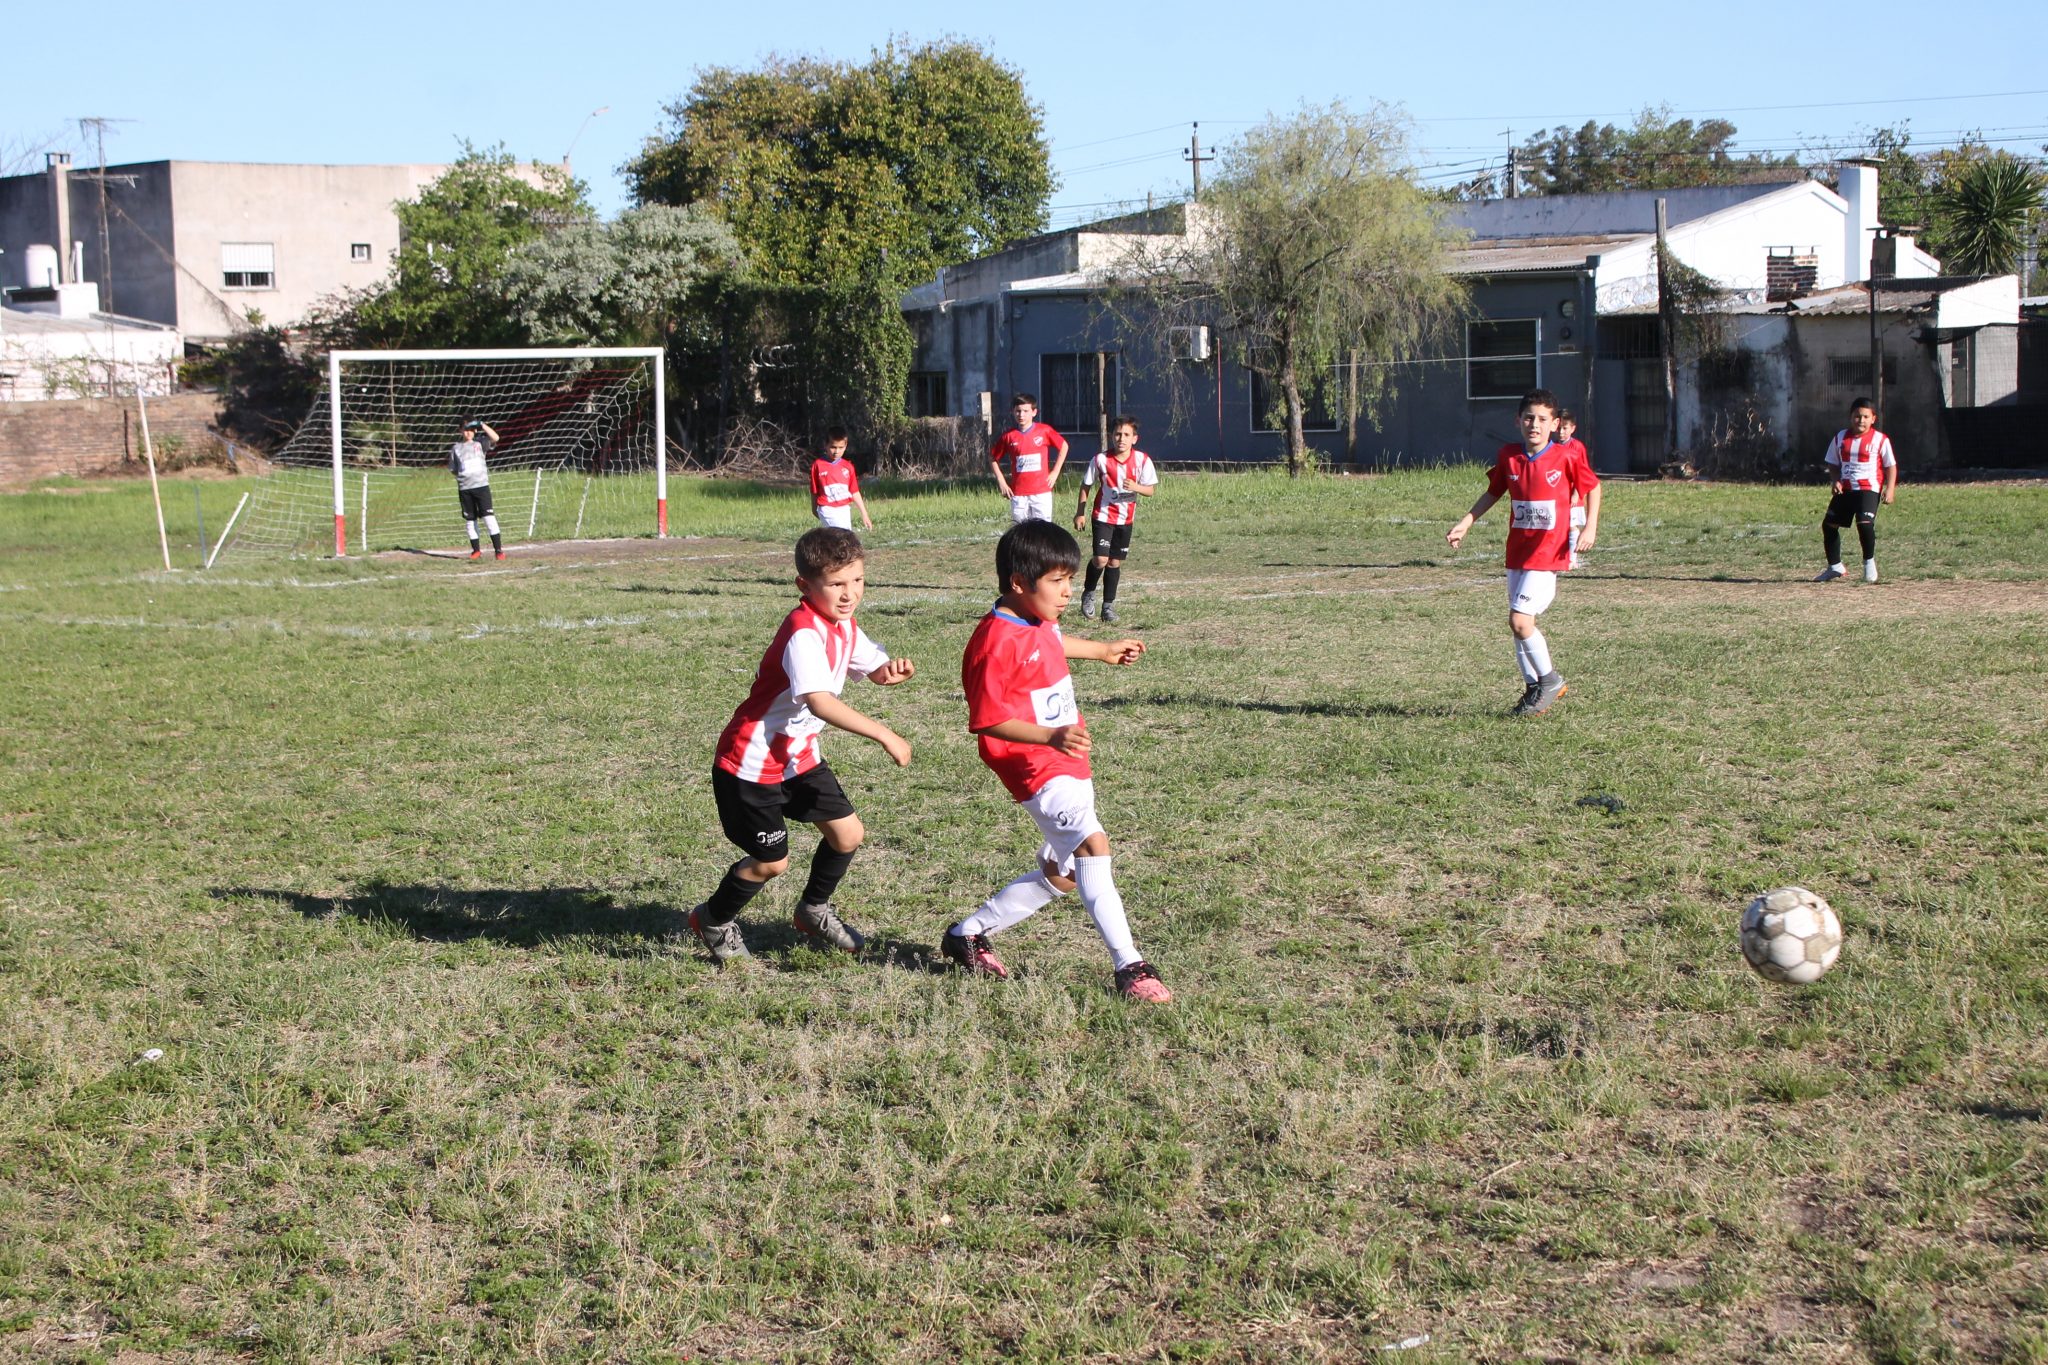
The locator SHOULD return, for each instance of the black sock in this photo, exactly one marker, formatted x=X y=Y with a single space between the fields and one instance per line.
x=1831 y=537
x=474 y=545
x=496 y=544
x=828 y=868
x=1109 y=578
x=1866 y=531
x=1094 y=576
x=732 y=895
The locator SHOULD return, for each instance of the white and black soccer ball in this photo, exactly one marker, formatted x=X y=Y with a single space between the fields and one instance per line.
x=1790 y=936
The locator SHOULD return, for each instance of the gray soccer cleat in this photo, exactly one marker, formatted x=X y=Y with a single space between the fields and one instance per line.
x=822 y=923
x=1108 y=612
x=1549 y=688
x=722 y=941
x=1087 y=604
x=1830 y=574
x=1522 y=707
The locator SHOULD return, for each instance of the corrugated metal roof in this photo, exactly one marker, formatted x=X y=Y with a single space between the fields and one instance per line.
x=1495 y=256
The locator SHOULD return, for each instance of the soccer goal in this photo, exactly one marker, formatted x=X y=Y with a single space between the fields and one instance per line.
x=579 y=452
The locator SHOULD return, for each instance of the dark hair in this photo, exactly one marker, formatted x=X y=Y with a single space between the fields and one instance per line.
x=1538 y=398
x=1017 y=398
x=1032 y=549
x=1565 y=415
x=1122 y=421
x=835 y=434
x=827 y=548
x=1864 y=403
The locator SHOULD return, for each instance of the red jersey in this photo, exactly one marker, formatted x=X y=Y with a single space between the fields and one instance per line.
x=772 y=737
x=1116 y=485
x=1541 y=486
x=833 y=482
x=1580 y=446
x=1029 y=451
x=1015 y=668
x=1862 y=460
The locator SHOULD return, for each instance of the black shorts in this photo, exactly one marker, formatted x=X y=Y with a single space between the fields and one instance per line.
x=1844 y=508
x=476 y=502
x=752 y=813
x=1113 y=542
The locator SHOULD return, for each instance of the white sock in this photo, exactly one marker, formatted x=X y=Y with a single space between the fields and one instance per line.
x=1106 y=908
x=1539 y=654
x=491 y=523
x=470 y=526
x=1522 y=661
x=1018 y=901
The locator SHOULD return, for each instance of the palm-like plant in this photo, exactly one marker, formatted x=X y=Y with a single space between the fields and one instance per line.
x=1985 y=208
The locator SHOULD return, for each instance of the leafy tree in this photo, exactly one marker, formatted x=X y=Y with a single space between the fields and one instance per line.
x=1656 y=153
x=1985 y=209
x=633 y=282
x=1314 y=242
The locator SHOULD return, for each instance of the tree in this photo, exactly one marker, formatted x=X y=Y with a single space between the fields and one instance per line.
x=1656 y=153
x=633 y=282
x=1985 y=209
x=1313 y=242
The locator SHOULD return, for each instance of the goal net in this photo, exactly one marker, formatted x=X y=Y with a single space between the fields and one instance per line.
x=576 y=457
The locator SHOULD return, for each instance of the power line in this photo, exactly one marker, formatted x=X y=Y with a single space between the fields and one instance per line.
x=1750 y=108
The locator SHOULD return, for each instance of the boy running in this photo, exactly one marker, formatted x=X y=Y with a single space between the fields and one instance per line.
x=1120 y=475
x=835 y=488
x=1540 y=475
x=1866 y=473
x=1020 y=701
x=473 y=482
x=1568 y=435
x=1034 y=468
x=768 y=765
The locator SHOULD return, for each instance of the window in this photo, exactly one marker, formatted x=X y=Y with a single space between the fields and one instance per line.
x=359 y=251
x=248 y=265
x=1500 y=358
x=927 y=396
x=1318 y=402
x=1854 y=372
x=1068 y=399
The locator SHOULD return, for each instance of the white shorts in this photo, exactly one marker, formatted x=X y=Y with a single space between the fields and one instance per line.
x=1064 y=811
x=1578 y=517
x=1030 y=507
x=1531 y=591
x=842 y=517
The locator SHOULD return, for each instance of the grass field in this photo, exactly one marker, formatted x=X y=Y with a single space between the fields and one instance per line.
x=387 y=856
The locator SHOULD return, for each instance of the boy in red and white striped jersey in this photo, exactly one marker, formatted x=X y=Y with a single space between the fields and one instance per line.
x=768 y=766
x=1865 y=473
x=1120 y=476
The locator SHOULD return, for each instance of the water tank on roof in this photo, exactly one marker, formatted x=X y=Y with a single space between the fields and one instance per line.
x=39 y=266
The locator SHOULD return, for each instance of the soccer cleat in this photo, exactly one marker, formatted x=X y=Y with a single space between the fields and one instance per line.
x=1829 y=574
x=1139 y=982
x=1869 y=571
x=1088 y=604
x=476 y=554
x=1108 y=613
x=1523 y=707
x=722 y=941
x=1549 y=688
x=972 y=952
x=501 y=554
x=822 y=923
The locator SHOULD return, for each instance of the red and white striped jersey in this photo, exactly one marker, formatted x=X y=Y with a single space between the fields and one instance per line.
x=1015 y=668
x=1115 y=482
x=1861 y=460
x=1029 y=451
x=773 y=737
x=833 y=482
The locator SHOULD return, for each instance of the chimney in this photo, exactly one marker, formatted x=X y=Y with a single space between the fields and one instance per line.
x=60 y=211
x=1859 y=232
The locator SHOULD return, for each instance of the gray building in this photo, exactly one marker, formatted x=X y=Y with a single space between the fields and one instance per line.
x=202 y=245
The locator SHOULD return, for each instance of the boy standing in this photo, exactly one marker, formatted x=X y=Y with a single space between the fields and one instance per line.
x=1865 y=473
x=1120 y=475
x=473 y=482
x=1020 y=702
x=1034 y=466
x=1540 y=476
x=768 y=765
x=1568 y=435
x=835 y=488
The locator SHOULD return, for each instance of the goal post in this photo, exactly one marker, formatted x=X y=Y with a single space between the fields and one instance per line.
x=580 y=449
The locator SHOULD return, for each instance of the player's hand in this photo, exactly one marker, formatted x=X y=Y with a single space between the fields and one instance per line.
x=897 y=747
x=1071 y=739
x=1005 y=490
x=1887 y=499
x=1080 y=520
x=865 y=524
x=893 y=672
x=1586 y=538
x=1456 y=534
x=1123 y=651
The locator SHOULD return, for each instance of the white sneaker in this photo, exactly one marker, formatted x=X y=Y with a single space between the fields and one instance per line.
x=1869 y=571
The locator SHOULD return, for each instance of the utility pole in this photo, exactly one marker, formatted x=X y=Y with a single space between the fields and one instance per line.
x=1667 y=327
x=98 y=128
x=1513 y=173
x=1195 y=158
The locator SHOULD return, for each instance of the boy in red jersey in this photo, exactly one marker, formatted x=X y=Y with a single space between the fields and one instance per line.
x=835 y=488
x=1540 y=475
x=1865 y=472
x=1036 y=454
x=1120 y=476
x=1568 y=435
x=768 y=765
x=1020 y=701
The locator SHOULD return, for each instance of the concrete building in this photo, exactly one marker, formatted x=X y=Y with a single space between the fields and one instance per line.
x=199 y=245
x=55 y=344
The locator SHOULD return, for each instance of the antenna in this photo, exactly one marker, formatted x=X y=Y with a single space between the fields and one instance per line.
x=98 y=128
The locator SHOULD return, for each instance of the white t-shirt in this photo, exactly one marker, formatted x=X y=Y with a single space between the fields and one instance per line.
x=466 y=463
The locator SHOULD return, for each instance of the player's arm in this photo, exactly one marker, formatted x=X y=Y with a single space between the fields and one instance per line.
x=835 y=712
x=867 y=523
x=1059 y=463
x=1591 y=530
x=1464 y=523
x=1102 y=651
x=1068 y=739
x=488 y=430
x=995 y=467
x=1081 y=501
x=893 y=672
x=1891 y=481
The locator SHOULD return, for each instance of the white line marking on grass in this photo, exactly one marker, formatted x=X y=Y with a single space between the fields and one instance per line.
x=273 y=626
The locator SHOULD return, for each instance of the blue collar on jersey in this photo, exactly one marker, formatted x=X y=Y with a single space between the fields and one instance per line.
x=1006 y=614
x=1541 y=453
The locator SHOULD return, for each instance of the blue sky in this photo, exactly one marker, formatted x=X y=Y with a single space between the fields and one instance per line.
x=373 y=81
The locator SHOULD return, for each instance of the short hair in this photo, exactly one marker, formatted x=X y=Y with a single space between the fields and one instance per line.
x=835 y=433
x=1864 y=403
x=1032 y=549
x=1565 y=415
x=820 y=551
x=1122 y=421
x=1030 y=398
x=1538 y=398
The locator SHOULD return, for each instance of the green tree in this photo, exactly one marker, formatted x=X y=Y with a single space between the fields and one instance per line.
x=1657 y=152
x=1984 y=210
x=638 y=281
x=1313 y=243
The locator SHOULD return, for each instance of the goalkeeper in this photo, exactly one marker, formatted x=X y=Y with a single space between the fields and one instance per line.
x=473 y=482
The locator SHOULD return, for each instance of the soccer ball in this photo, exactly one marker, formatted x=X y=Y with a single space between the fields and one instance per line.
x=1790 y=936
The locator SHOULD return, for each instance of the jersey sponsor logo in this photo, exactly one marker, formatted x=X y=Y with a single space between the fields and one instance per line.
x=1054 y=705
x=1534 y=516
x=1027 y=464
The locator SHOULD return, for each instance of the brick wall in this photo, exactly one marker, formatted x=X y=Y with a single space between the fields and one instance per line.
x=86 y=436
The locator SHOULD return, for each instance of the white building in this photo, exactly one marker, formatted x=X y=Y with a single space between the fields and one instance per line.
x=55 y=344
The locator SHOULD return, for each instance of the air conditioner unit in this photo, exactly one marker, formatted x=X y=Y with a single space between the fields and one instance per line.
x=1188 y=343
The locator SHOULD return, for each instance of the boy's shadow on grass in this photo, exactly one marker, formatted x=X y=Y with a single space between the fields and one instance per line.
x=1195 y=701
x=515 y=917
